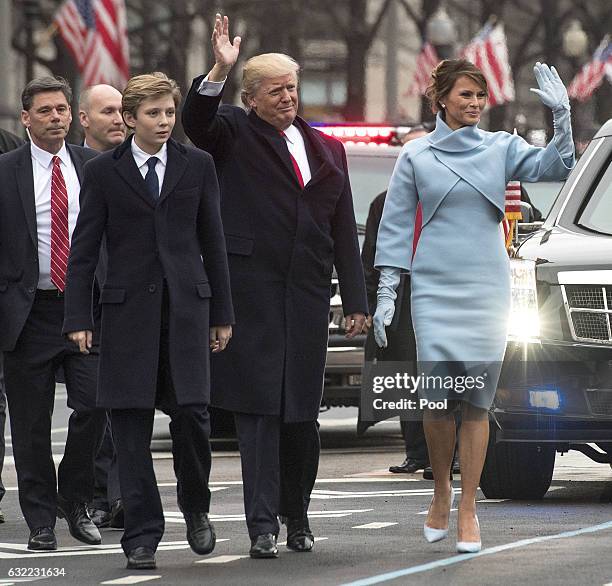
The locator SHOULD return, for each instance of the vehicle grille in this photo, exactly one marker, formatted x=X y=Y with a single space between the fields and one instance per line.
x=589 y=309
x=585 y=297
x=590 y=325
x=600 y=401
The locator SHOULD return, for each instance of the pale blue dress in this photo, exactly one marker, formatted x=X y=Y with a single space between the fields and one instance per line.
x=460 y=274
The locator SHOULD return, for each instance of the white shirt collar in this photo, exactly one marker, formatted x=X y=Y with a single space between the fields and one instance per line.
x=45 y=158
x=292 y=134
x=141 y=157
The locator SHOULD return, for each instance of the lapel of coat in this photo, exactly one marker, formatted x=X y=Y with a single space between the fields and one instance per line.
x=175 y=168
x=275 y=140
x=319 y=155
x=25 y=187
x=127 y=169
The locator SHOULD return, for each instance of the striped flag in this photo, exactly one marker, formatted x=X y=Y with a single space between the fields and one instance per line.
x=426 y=60
x=95 y=32
x=513 y=210
x=488 y=50
x=589 y=78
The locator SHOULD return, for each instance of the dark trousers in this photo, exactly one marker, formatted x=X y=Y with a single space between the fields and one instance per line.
x=132 y=431
x=2 y=425
x=29 y=372
x=279 y=469
x=106 y=472
x=414 y=439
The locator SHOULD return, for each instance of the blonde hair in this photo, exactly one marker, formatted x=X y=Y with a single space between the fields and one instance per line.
x=148 y=85
x=260 y=67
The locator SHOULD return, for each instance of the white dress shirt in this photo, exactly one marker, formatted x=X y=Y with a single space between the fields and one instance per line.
x=42 y=167
x=141 y=159
x=293 y=137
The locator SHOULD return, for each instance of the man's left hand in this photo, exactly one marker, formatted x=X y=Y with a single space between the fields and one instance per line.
x=220 y=337
x=354 y=324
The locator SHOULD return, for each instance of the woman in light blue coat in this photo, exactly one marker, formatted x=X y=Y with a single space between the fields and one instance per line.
x=460 y=271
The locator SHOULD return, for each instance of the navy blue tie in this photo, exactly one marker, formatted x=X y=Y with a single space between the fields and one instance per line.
x=151 y=180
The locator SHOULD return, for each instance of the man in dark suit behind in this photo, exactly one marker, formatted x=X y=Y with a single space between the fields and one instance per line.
x=166 y=301
x=104 y=129
x=39 y=203
x=288 y=218
x=8 y=142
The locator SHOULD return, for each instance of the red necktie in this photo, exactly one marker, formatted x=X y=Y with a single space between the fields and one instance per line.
x=60 y=244
x=296 y=167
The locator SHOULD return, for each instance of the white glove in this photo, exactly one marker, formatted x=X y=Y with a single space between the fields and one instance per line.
x=385 y=303
x=552 y=92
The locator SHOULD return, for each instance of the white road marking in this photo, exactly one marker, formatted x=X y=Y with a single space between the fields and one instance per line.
x=380 y=525
x=317 y=539
x=20 y=551
x=177 y=516
x=340 y=494
x=132 y=580
x=211 y=488
x=380 y=578
x=222 y=559
x=425 y=512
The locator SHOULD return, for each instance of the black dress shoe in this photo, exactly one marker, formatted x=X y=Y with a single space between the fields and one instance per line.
x=141 y=558
x=99 y=517
x=116 y=515
x=409 y=466
x=42 y=538
x=299 y=535
x=200 y=532
x=81 y=527
x=264 y=546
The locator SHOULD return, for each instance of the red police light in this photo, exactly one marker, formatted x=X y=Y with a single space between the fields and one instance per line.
x=361 y=134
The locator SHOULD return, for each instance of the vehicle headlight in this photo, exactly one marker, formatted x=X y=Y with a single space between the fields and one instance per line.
x=524 y=322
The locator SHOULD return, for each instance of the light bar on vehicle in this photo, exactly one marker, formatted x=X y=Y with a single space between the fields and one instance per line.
x=362 y=134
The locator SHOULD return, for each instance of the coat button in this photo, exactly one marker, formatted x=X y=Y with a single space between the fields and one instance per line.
x=31 y=289
x=152 y=288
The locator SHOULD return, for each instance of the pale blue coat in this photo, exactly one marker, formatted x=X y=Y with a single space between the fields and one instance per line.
x=460 y=271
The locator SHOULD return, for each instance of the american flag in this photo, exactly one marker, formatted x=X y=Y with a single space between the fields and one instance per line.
x=95 y=32
x=488 y=50
x=589 y=78
x=426 y=60
x=513 y=209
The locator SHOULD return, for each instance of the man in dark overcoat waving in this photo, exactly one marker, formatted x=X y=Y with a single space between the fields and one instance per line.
x=165 y=301
x=288 y=218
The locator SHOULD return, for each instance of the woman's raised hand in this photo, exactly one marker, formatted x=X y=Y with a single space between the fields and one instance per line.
x=552 y=92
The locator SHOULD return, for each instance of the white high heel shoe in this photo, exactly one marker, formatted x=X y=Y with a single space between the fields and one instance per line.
x=470 y=546
x=432 y=535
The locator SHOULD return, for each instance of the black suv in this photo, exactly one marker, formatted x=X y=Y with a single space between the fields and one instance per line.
x=555 y=391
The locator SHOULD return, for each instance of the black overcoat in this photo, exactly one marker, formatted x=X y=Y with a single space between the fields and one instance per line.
x=19 y=238
x=177 y=238
x=282 y=243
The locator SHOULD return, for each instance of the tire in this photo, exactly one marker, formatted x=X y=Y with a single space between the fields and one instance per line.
x=517 y=470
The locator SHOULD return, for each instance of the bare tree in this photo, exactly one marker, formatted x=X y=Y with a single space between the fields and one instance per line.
x=350 y=21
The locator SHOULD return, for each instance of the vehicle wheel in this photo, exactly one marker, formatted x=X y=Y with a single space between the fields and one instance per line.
x=517 y=470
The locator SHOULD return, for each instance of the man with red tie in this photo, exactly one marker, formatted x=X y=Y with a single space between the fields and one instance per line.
x=39 y=204
x=288 y=219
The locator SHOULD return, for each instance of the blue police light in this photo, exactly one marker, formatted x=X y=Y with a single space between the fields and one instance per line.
x=545 y=399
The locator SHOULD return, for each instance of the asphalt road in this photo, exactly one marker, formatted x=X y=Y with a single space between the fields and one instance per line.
x=367 y=523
